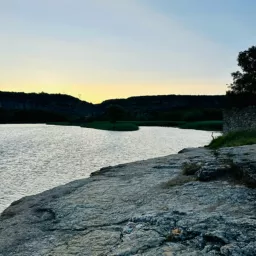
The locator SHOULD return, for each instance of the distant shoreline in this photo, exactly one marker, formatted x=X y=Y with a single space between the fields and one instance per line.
x=134 y=125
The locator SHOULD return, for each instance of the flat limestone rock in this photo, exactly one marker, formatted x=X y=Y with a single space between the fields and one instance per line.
x=143 y=208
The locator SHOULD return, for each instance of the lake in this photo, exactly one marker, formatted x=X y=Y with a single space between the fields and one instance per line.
x=37 y=157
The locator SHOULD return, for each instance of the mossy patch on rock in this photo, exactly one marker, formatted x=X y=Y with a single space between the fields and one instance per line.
x=179 y=180
x=190 y=168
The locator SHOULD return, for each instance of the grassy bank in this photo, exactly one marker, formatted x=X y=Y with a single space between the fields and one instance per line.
x=233 y=139
x=118 y=126
x=203 y=125
x=101 y=125
x=200 y=125
x=134 y=125
x=158 y=123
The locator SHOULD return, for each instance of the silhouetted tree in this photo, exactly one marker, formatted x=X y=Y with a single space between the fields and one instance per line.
x=115 y=113
x=243 y=89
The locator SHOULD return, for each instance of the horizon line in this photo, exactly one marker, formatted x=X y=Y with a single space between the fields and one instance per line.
x=147 y=95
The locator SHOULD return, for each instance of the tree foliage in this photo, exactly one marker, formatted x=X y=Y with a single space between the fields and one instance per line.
x=243 y=88
x=115 y=112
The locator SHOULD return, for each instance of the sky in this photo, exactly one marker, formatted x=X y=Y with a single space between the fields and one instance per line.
x=102 y=49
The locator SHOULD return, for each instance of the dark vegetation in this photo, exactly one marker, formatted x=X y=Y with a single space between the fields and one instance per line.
x=110 y=126
x=119 y=114
x=212 y=125
x=233 y=139
x=179 y=180
x=115 y=113
x=31 y=116
x=158 y=123
x=167 y=108
x=134 y=125
x=42 y=107
x=242 y=92
x=190 y=168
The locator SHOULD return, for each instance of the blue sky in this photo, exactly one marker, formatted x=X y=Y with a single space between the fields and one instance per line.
x=104 y=49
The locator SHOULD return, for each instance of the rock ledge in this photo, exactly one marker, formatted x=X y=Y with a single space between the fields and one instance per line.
x=156 y=207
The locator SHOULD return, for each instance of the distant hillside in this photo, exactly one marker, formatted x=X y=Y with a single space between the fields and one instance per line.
x=43 y=107
x=44 y=101
x=167 y=102
x=170 y=107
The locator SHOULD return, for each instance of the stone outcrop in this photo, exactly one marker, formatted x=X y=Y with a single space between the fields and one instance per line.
x=239 y=119
x=154 y=207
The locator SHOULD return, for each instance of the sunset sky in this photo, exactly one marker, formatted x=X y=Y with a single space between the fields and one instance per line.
x=101 y=49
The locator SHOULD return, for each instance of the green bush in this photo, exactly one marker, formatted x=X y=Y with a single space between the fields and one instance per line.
x=233 y=139
x=190 y=168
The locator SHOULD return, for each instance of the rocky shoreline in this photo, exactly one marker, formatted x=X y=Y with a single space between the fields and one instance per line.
x=197 y=202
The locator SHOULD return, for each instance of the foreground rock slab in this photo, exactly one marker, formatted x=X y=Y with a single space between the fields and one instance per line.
x=154 y=207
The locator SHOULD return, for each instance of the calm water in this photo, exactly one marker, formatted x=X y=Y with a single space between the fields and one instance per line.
x=34 y=158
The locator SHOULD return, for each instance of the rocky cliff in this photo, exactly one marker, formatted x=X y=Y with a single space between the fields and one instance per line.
x=198 y=202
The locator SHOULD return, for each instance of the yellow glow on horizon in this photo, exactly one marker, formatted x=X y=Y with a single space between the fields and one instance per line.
x=100 y=92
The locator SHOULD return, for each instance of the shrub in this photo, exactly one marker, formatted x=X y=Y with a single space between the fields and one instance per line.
x=178 y=181
x=190 y=168
x=233 y=139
